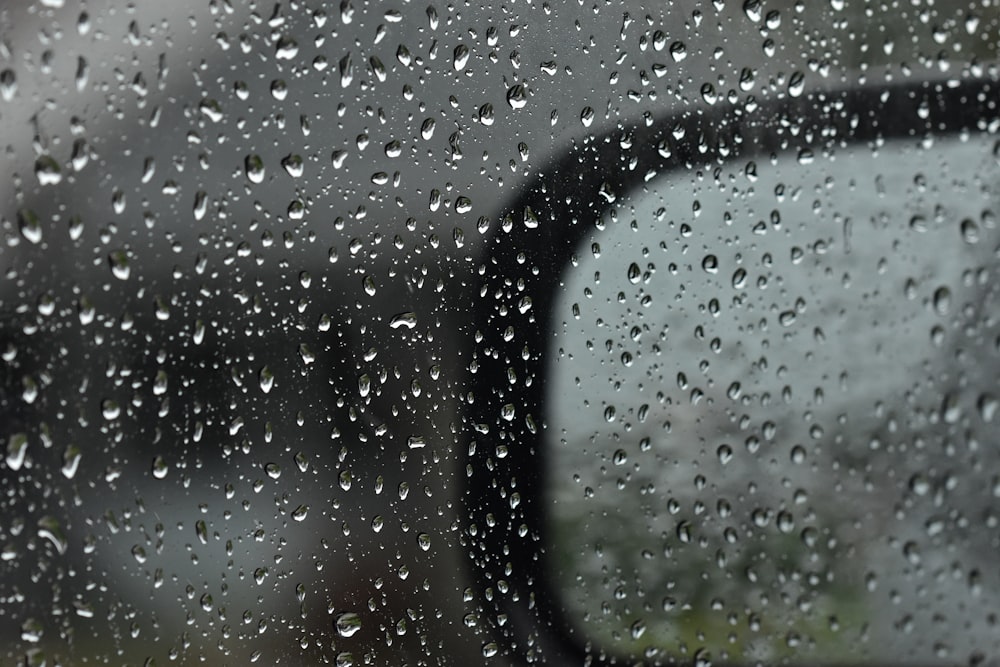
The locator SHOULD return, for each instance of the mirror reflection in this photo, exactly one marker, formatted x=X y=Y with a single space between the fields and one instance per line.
x=771 y=405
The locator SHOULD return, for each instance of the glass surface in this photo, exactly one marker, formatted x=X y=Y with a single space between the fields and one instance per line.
x=242 y=246
x=771 y=404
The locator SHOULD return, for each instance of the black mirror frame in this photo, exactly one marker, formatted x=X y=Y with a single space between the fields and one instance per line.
x=522 y=268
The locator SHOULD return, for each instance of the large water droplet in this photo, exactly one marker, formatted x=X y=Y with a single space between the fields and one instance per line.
x=517 y=97
x=460 y=57
x=408 y=320
x=348 y=624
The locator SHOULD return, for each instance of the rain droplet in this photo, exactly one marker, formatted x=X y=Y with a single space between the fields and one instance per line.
x=29 y=226
x=200 y=204
x=201 y=530
x=408 y=320
x=634 y=273
x=300 y=512
x=71 y=461
x=286 y=49
x=393 y=149
x=516 y=97
x=970 y=231
x=17 y=448
x=796 y=84
x=118 y=259
x=725 y=454
x=49 y=529
x=306 y=354
x=678 y=51
x=293 y=165
x=942 y=300
x=160 y=467
x=348 y=624
x=47 y=170
x=110 y=409
x=987 y=405
x=486 y=114
x=8 y=85
x=460 y=57
x=587 y=116
x=427 y=129
x=266 y=378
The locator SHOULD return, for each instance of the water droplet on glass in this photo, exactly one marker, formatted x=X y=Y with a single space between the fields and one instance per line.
x=286 y=49
x=71 y=461
x=393 y=149
x=787 y=318
x=796 y=84
x=110 y=409
x=47 y=170
x=306 y=354
x=347 y=624
x=49 y=529
x=725 y=454
x=460 y=57
x=987 y=405
x=678 y=51
x=160 y=467
x=293 y=165
x=634 y=273
x=201 y=530
x=516 y=97
x=118 y=260
x=408 y=320
x=17 y=448
x=200 y=206
x=970 y=231
x=8 y=85
x=30 y=226
x=211 y=109
x=942 y=300
x=266 y=378
x=486 y=114
x=427 y=129
x=587 y=116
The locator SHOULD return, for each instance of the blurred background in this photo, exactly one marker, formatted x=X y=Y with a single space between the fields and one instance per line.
x=240 y=253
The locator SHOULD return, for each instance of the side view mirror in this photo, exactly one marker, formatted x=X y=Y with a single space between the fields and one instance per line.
x=733 y=397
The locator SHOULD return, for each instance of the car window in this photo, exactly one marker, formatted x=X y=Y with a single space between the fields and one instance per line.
x=277 y=287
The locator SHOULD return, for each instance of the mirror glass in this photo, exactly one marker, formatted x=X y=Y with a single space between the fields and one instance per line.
x=772 y=410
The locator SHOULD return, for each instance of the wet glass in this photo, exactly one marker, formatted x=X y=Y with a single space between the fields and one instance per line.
x=269 y=339
x=771 y=398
